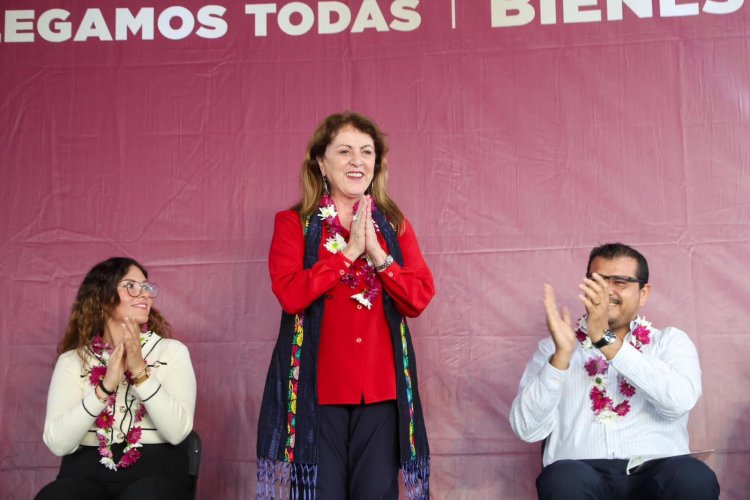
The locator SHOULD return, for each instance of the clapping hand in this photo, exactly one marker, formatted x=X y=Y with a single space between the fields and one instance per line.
x=561 y=330
x=595 y=298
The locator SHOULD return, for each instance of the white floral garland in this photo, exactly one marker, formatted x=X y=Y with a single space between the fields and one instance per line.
x=597 y=366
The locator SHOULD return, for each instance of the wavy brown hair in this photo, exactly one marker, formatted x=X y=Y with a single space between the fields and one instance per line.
x=97 y=298
x=312 y=179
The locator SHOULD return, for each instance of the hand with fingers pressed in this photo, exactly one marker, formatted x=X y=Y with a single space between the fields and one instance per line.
x=357 y=237
x=372 y=245
x=115 y=369
x=131 y=340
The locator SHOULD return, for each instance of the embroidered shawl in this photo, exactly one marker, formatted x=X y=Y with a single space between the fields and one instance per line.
x=287 y=445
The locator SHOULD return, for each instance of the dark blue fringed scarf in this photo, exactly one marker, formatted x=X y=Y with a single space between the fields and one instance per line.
x=288 y=421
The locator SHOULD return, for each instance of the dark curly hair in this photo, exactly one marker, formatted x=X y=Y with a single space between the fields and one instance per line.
x=97 y=298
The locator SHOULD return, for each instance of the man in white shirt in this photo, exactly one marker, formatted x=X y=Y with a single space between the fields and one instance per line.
x=611 y=391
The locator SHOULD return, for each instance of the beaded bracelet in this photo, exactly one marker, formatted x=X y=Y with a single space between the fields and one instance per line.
x=102 y=399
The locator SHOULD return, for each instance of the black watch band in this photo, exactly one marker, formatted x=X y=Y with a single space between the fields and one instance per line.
x=608 y=338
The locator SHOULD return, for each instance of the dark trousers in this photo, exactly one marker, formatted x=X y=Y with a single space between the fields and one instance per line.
x=160 y=474
x=358 y=452
x=675 y=478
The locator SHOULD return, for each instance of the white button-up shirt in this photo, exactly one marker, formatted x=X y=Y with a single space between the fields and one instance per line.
x=554 y=404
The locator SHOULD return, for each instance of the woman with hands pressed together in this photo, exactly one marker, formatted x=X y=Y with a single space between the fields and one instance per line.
x=122 y=393
x=341 y=410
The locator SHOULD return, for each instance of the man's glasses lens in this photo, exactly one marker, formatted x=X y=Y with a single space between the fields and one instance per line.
x=617 y=281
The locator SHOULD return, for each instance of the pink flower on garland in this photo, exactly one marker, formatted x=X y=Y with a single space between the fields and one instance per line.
x=623 y=408
x=129 y=458
x=105 y=420
x=98 y=345
x=134 y=435
x=599 y=400
x=357 y=273
x=580 y=336
x=350 y=280
x=104 y=451
x=596 y=366
x=626 y=389
x=642 y=335
x=602 y=405
x=97 y=374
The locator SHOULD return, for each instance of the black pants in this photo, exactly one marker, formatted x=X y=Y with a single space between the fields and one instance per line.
x=160 y=474
x=358 y=452
x=675 y=478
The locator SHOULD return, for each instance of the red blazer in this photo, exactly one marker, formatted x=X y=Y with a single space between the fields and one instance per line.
x=355 y=355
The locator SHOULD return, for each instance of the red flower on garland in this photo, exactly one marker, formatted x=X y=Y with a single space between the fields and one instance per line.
x=97 y=374
x=642 y=335
x=580 y=336
x=357 y=273
x=129 y=458
x=623 y=408
x=105 y=420
x=596 y=366
x=626 y=389
x=599 y=400
x=134 y=435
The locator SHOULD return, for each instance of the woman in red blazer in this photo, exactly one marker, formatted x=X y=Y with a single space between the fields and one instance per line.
x=341 y=411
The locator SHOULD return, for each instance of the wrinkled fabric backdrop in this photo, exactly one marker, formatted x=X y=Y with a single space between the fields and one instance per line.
x=516 y=146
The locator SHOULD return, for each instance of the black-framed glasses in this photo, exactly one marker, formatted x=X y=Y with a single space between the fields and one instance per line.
x=135 y=289
x=616 y=281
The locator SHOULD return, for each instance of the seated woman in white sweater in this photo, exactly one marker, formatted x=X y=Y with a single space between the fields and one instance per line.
x=122 y=394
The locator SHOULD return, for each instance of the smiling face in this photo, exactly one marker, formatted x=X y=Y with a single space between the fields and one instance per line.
x=625 y=301
x=348 y=163
x=131 y=307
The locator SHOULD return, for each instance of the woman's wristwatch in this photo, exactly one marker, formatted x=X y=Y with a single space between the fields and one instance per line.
x=142 y=376
x=388 y=262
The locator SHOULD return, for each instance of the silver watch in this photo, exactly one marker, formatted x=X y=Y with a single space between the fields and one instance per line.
x=608 y=339
x=388 y=262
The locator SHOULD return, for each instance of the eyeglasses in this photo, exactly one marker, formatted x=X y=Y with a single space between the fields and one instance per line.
x=135 y=289
x=617 y=282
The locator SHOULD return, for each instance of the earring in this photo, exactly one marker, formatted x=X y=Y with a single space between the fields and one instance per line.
x=325 y=185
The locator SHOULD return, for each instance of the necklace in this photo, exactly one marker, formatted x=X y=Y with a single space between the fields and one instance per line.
x=106 y=419
x=596 y=368
x=357 y=275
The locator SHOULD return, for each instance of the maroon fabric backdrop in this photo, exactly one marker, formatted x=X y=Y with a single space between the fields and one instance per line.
x=519 y=141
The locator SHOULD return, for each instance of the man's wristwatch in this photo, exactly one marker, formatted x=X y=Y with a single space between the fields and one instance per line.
x=608 y=339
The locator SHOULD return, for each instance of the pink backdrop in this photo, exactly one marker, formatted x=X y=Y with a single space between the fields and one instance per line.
x=515 y=149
